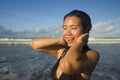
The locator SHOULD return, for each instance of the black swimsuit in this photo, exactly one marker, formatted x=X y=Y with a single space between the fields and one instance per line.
x=64 y=76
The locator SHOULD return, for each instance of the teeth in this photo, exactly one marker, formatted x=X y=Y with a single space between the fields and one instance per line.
x=69 y=39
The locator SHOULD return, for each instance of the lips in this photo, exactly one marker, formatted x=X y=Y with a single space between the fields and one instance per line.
x=70 y=39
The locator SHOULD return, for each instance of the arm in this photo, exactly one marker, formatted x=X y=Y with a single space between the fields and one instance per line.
x=48 y=45
x=77 y=62
x=74 y=54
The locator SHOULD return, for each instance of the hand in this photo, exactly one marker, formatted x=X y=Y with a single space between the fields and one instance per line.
x=84 y=38
x=63 y=42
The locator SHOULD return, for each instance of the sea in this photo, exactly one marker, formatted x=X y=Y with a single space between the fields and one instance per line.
x=21 y=62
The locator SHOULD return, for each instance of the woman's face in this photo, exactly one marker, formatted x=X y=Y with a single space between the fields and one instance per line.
x=72 y=29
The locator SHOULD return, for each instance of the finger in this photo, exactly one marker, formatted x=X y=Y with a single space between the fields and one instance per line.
x=86 y=35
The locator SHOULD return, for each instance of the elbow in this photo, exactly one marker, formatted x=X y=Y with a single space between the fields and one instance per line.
x=33 y=44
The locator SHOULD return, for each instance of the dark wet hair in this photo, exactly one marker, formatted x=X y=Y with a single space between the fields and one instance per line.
x=84 y=17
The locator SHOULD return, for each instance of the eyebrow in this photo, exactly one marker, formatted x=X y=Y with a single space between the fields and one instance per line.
x=70 y=25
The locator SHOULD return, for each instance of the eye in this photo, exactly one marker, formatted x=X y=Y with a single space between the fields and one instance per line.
x=64 y=28
x=74 y=27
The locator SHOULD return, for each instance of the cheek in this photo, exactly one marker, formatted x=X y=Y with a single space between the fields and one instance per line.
x=63 y=33
x=77 y=33
x=73 y=32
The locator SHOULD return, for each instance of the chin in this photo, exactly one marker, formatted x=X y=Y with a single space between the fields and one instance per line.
x=70 y=45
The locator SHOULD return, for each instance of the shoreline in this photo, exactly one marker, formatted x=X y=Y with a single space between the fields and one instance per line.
x=25 y=41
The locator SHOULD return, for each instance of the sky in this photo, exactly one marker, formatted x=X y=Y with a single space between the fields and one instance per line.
x=43 y=18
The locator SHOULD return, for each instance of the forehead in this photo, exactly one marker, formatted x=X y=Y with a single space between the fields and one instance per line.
x=72 y=20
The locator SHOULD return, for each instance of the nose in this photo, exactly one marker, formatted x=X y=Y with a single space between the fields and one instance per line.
x=68 y=32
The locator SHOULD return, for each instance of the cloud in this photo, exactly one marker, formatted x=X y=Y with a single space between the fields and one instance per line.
x=36 y=32
x=39 y=30
x=106 y=24
x=110 y=28
x=106 y=29
x=56 y=31
x=6 y=33
x=33 y=33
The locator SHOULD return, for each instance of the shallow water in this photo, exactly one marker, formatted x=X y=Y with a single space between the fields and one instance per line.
x=21 y=62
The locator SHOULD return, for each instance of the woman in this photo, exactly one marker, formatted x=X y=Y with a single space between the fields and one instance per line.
x=76 y=61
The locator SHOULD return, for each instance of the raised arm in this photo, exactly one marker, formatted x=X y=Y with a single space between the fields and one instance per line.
x=74 y=60
x=75 y=53
x=48 y=45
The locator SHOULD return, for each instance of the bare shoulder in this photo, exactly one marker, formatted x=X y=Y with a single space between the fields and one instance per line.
x=93 y=55
x=90 y=63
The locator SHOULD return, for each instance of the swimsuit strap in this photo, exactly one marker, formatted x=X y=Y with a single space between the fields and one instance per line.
x=57 y=63
x=64 y=52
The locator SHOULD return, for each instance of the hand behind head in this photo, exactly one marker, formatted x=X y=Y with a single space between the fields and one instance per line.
x=84 y=38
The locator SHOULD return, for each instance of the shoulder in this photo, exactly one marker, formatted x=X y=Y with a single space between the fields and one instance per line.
x=93 y=55
x=92 y=58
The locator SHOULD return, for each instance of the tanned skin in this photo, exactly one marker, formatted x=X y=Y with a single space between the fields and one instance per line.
x=74 y=62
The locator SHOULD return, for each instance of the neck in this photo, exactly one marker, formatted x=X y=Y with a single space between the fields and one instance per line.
x=85 y=48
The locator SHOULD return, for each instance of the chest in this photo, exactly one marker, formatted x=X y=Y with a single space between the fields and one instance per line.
x=59 y=69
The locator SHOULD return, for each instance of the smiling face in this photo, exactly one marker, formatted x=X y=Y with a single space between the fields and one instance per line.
x=72 y=29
